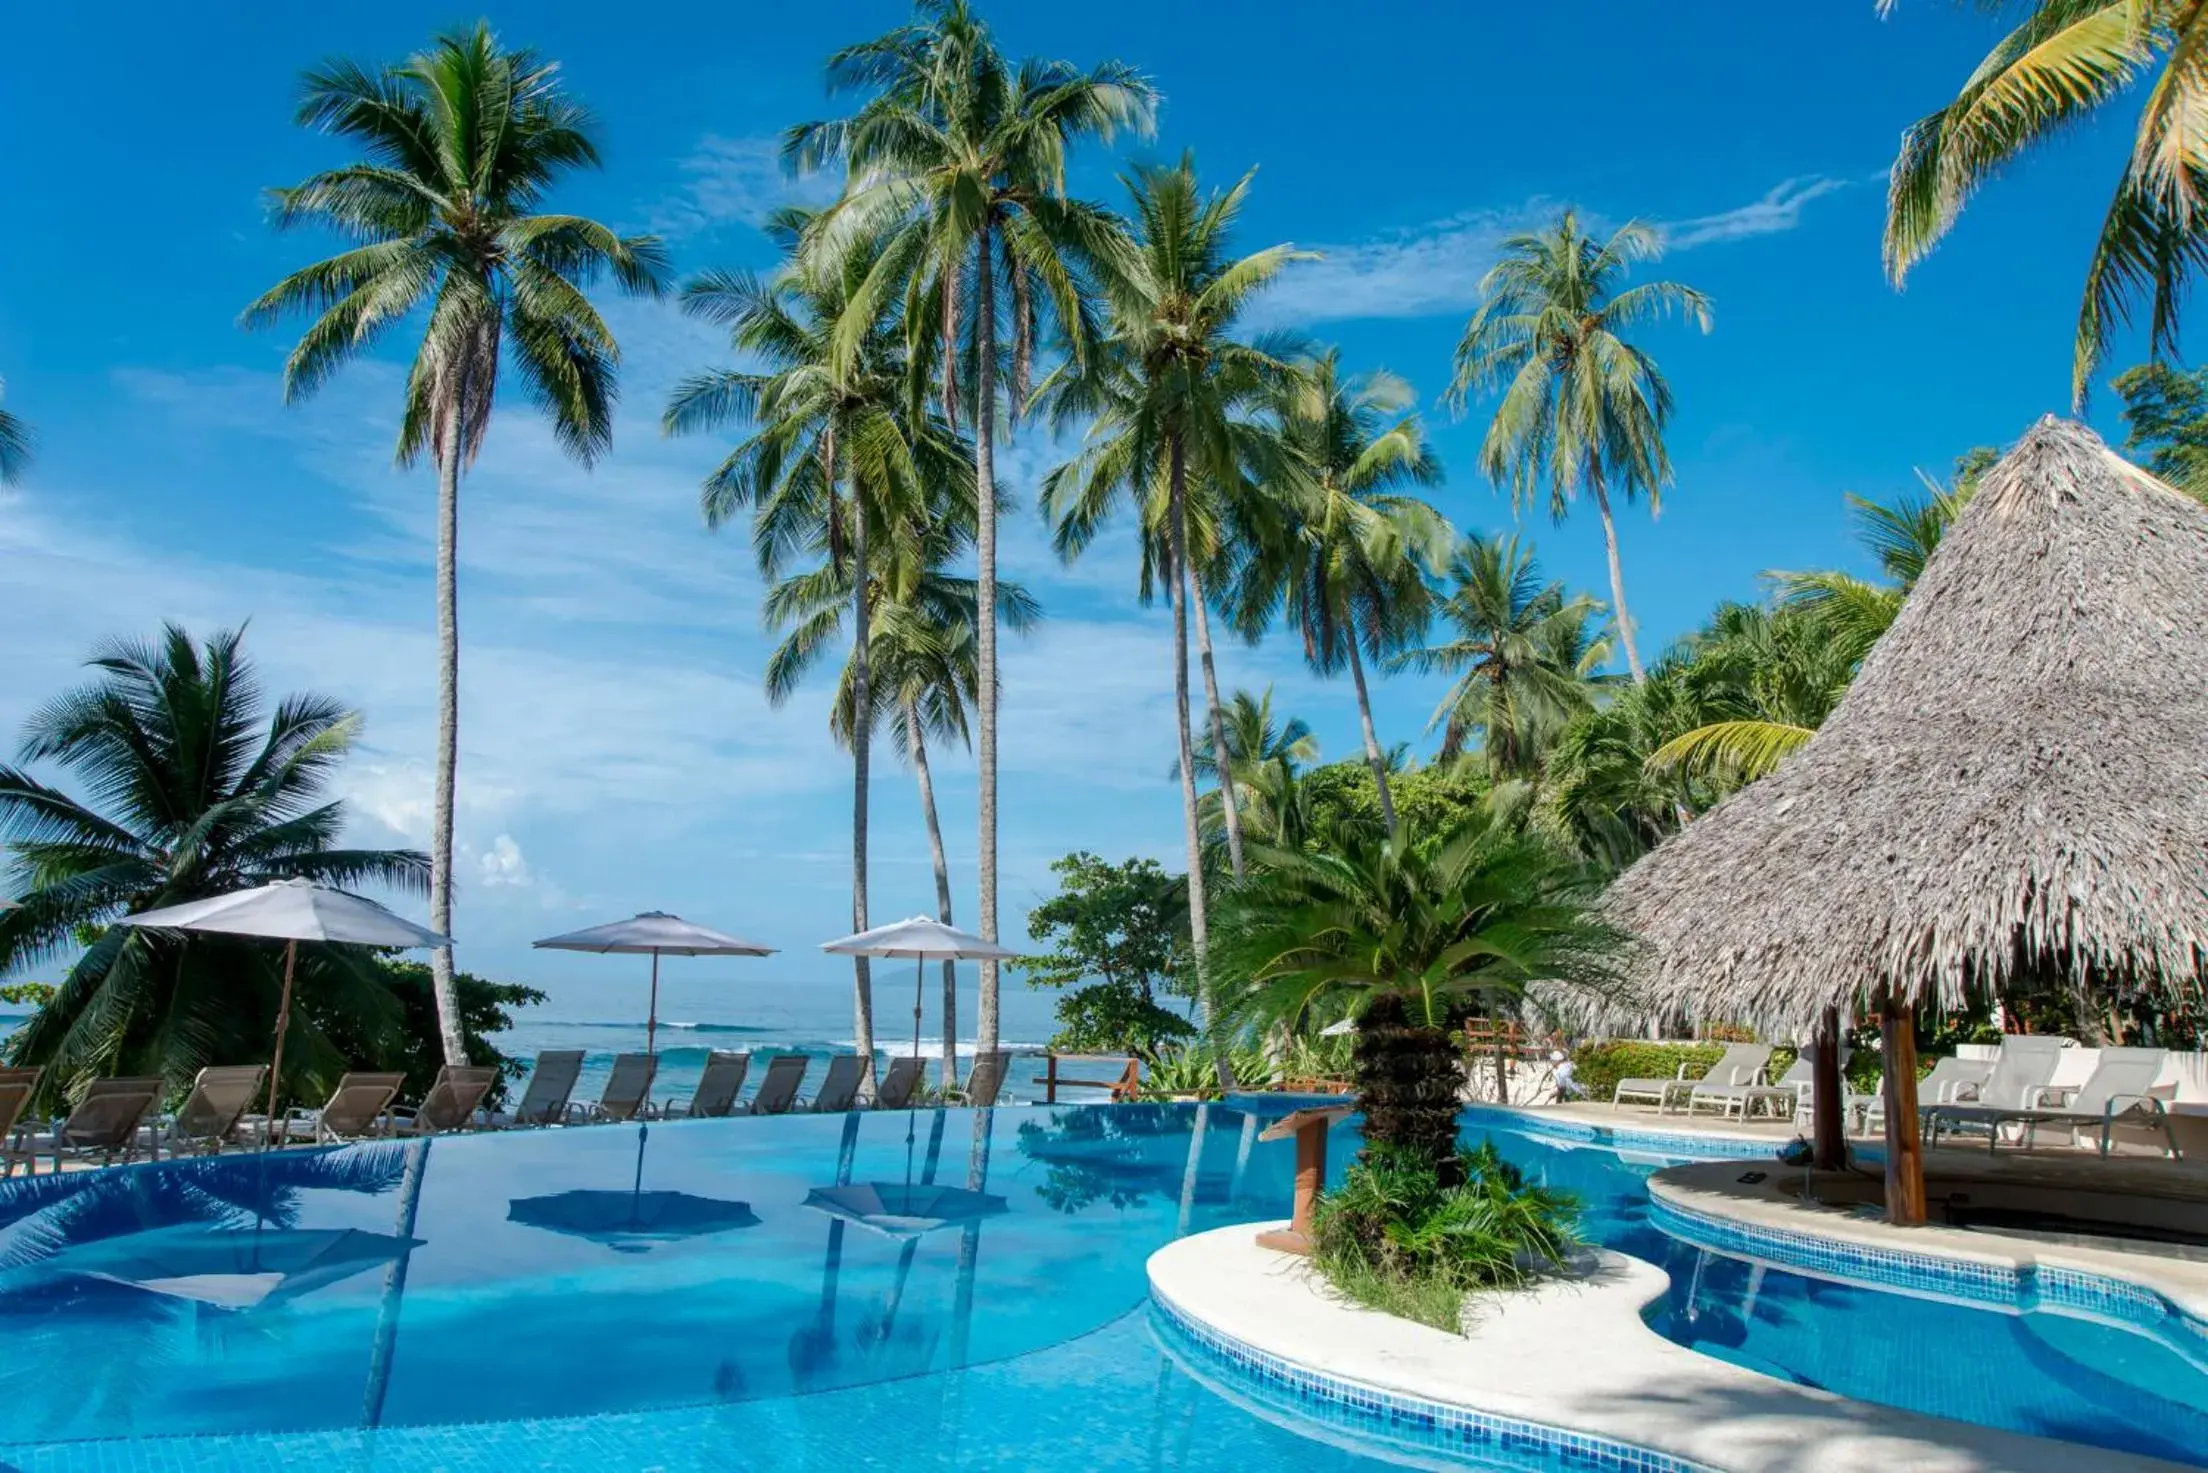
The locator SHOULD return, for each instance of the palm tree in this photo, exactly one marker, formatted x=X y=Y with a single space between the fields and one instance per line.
x=923 y=672
x=1258 y=778
x=15 y=446
x=1525 y=655
x=462 y=143
x=962 y=155
x=1582 y=410
x=833 y=460
x=1409 y=933
x=2065 y=60
x=202 y=789
x=1163 y=401
x=1351 y=570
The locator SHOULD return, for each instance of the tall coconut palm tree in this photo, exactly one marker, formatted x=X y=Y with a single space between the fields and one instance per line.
x=2065 y=60
x=1582 y=411
x=923 y=670
x=1264 y=753
x=832 y=460
x=1351 y=572
x=461 y=145
x=1526 y=657
x=1162 y=400
x=202 y=788
x=961 y=154
x=15 y=446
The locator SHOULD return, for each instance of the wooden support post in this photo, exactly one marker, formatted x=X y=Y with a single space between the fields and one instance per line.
x=1904 y=1147
x=1309 y=1127
x=1050 y=1081
x=1828 y=1096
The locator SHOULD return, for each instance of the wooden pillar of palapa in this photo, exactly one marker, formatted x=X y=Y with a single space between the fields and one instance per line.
x=1904 y=1147
x=1828 y=1098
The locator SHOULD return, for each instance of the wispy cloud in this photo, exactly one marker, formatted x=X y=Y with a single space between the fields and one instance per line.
x=735 y=181
x=1436 y=267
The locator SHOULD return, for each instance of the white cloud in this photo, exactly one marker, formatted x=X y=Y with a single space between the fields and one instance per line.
x=503 y=864
x=735 y=181
x=1436 y=267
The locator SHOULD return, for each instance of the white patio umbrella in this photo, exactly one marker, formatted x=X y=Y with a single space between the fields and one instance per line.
x=290 y=911
x=923 y=940
x=654 y=933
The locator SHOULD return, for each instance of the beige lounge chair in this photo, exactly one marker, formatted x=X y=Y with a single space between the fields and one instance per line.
x=16 y=1088
x=1741 y=1064
x=104 y=1124
x=628 y=1089
x=839 y=1089
x=544 y=1099
x=897 y=1086
x=1789 y=1089
x=2121 y=1085
x=778 y=1089
x=450 y=1103
x=208 y=1119
x=718 y=1086
x=984 y=1082
x=360 y=1106
x=2022 y=1071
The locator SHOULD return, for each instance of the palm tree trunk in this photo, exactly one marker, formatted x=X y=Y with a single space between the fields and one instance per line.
x=442 y=987
x=1199 y=926
x=1228 y=802
x=919 y=746
x=1378 y=763
x=985 y=605
x=1617 y=584
x=862 y=730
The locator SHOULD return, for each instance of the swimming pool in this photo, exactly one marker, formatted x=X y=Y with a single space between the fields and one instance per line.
x=953 y=1289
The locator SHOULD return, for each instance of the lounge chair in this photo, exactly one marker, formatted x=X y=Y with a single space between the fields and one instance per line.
x=839 y=1090
x=360 y=1106
x=718 y=1087
x=208 y=1119
x=450 y=1103
x=2021 y=1071
x=983 y=1082
x=1790 y=1089
x=897 y=1086
x=1741 y=1063
x=544 y=1100
x=2120 y=1085
x=778 y=1089
x=104 y=1124
x=628 y=1089
x=16 y=1088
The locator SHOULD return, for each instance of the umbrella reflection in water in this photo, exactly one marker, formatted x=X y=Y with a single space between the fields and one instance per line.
x=634 y=1221
x=228 y=1267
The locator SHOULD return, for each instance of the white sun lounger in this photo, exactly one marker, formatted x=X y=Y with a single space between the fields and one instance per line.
x=839 y=1090
x=1741 y=1064
x=627 y=1089
x=2021 y=1070
x=717 y=1089
x=1790 y=1088
x=896 y=1088
x=778 y=1089
x=2120 y=1085
x=544 y=1100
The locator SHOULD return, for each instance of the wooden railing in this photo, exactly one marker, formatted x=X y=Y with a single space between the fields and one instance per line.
x=1126 y=1087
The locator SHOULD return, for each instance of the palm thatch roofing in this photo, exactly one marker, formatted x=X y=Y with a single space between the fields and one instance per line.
x=2017 y=779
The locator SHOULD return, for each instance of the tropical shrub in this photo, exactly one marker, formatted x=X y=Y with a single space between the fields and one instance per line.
x=1397 y=1236
x=1599 y=1065
x=1193 y=1069
x=417 y=1049
x=1121 y=930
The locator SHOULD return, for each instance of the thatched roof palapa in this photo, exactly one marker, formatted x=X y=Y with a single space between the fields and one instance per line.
x=2017 y=777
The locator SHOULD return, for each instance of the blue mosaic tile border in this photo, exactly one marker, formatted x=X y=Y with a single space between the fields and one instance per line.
x=2008 y=1287
x=1396 y=1416
x=1686 y=1145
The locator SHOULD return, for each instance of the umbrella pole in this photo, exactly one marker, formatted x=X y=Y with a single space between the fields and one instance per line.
x=919 y=981
x=283 y=1022
x=651 y=1019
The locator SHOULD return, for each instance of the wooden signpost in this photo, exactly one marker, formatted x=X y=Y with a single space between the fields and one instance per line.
x=1309 y=1127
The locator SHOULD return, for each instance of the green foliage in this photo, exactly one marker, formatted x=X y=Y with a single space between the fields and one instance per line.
x=1123 y=925
x=35 y=994
x=1428 y=800
x=1193 y=1069
x=15 y=448
x=1107 y=1018
x=2166 y=416
x=417 y=1047
x=1599 y=1065
x=1403 y=1238
x=205 y=788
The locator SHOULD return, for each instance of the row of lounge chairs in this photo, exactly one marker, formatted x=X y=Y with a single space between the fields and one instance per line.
x=2008 y=1098
x=117 y=1119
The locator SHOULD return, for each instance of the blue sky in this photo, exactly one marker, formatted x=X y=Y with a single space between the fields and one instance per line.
x=616 y=751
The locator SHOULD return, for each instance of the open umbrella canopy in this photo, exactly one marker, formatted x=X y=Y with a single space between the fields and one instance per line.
x=655 y=932
x=903 y=1209
x=230 y=1267
x=922 y=938
x=633 y=1221
x=291 y=910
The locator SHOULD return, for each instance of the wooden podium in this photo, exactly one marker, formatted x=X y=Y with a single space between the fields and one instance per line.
x=1309 y=1127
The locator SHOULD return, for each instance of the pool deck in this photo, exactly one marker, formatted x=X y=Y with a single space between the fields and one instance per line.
x=1574 y=1358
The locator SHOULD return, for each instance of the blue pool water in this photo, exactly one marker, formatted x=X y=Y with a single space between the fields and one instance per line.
x=679 y=1297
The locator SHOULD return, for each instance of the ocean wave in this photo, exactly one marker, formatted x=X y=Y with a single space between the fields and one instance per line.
x=637 y=1024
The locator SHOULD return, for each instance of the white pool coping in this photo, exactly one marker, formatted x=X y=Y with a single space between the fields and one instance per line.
x=1577 y=1356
